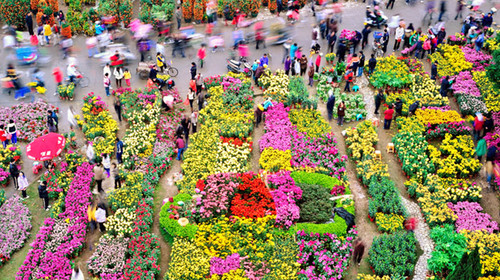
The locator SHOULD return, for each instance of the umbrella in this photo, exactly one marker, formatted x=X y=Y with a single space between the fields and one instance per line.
x=46 y=147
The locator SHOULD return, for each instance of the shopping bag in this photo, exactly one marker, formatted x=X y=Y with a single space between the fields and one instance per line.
x=186 y=102
x=34 y=40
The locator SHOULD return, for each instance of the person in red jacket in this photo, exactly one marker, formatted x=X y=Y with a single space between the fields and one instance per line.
x=478 y=125
x=202 y=54
x=349 y=78
x=3 y=136
x=388 y=117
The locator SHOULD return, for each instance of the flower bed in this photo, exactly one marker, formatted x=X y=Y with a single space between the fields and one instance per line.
x=464 y=84
x=275 y=85
x=53 y=261
x=15 y=219
x=450 y=60
x=30 y=118
x=278 y=129
x=99 y=126
x=361 y=141
x=391 y=72
x=471 y=218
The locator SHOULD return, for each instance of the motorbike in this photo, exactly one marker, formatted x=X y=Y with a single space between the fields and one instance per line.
x=237 y=67
x=372 y=19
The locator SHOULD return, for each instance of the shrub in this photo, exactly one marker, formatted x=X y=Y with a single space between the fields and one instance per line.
x=315 y=205
x=170 y=226
x=302 y=177
x=393 y=254
x=449 y=248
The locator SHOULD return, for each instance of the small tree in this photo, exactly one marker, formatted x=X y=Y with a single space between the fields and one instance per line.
x=469 y=267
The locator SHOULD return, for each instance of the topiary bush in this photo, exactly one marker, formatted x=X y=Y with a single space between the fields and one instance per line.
x=315 y=204
x=394 y=254
x=303 y=177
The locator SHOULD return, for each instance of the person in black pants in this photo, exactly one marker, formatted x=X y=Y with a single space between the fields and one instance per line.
x=378 y=100
x=186 y=125
x=14 y=172
x=43 y=194
x=390 y=3
x=193 y=71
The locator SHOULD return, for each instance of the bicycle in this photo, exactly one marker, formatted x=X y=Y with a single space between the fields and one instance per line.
x=170 y=70
x=81 y=81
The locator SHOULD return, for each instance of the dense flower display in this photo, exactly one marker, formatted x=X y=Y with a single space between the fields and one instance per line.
x=99 y=126
x=15 y=218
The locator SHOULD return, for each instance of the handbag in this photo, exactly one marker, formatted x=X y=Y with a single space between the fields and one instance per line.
x=186 y=102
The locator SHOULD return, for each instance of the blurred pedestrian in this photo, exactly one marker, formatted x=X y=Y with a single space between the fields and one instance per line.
x=460 y=7
x=288 y=64
x=202 y=54
x=119 y=150
x=258 y=116
x=481 y=149
x=160 y=61
x=107 y=83
x=330 y=104
x=201 y=100
x=311 y=74
x=118 y=73
x=193 y=70
x=77 y=274
x=378 y=100
x=442 y=9
x=116 y=175
x=194 y=121
x=91 y=216
x=100 y=216
x=4 y=136
x=180 y=147
x=99 y=176
x=47 y=32
x=44 y=195
x=118 y=107
x=14 y=172
x=318 y=61
x=490 y=158
x=23 y=184
x=90 y=153
x=359 y=250
x=341 y=113
x=12 y=130
x=29 y=23
x=478 y=125
x=106 y=163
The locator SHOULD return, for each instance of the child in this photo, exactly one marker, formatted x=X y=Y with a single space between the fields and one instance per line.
x=116 y=176
x=23 y=184
x=127 y=76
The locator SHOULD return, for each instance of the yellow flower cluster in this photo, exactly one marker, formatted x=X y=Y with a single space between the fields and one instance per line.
x=127 y=196
x=276 y=85
x=489 y=249
x=489 y=278
x=410 y=124
x=362 y=276
x=389 y=223
x=392 y=72
x=100 y=129
x=460 y=190
x=121 y=223
x=371 y=167
x=275 y=160
x=426 y=91
x=490 y=94
x=188 y=261
x=431 y=116
x=241 y=76
x=432 y=200
x=309 y=121
x=460 y=161
x=450 y=60
x=232 y=158
x=361 y=140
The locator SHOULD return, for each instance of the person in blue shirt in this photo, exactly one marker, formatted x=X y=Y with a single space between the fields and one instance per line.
x=264 y=60
x=293 y=50
x=119 y=150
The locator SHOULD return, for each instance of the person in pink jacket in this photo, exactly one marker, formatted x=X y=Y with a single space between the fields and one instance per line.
x=202 y=54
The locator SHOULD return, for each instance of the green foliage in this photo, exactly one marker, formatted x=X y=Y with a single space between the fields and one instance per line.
x=2 y=196
x=393 y=254
x=469 y=267
x=385 y=198
x=302 y=177
x=449 y=248
x=13 y=12
x=169 y=227
x=493 y=70
x=315 y=204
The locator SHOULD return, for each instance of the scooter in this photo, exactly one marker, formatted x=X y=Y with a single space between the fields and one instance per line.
x=372 y=19
x=237 y=67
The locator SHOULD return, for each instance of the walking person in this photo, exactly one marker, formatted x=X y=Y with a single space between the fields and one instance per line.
x=359 y=250
x=388 y=117
x=90 y=153
x=12 y=130
x=318 y=61
x=349 y=78
x=119 y=150
x=14 y=172
x=490 y=158
x=442 y=9
x=116 y=176
x=202 y=54
x=341 y=49
x=372 y=63
x=332 y=38
x=23 y=184
x=178 y=16
x=361 y=63
x=186 y=125
x=365 y=32
x=199 y=83
x=194 y=121
x=191 y=96
x=118 y=107
x=378 y=100
x=288 y=64
x=107 y=83
x=201 y=100
x=258 y=116
x=100 y=216
x=29 y=23
x=77 y=274
x=481 y=149
x=44 y=195
x=193 y=70
x=4 y=136
x=118 y=73
x=341 y=113
x=303 y=64
x=127 y=76
x=311 y=74
x=478 y=125
x=391 y=4
x=91 y=216
x=180 y=147
x=460 y=7
x=71 y=118
x=106 y=162
x=330 y=104
x=99 y=176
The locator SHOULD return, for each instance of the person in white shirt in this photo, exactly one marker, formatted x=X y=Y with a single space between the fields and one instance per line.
x=400 y=33
x=90 y=152
x=106 y=163
x=71 y=118
x=100 y=217
x=106 y=69
x=23 y=184
x=72 y=72
x=76 y=274
x=118 y=73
